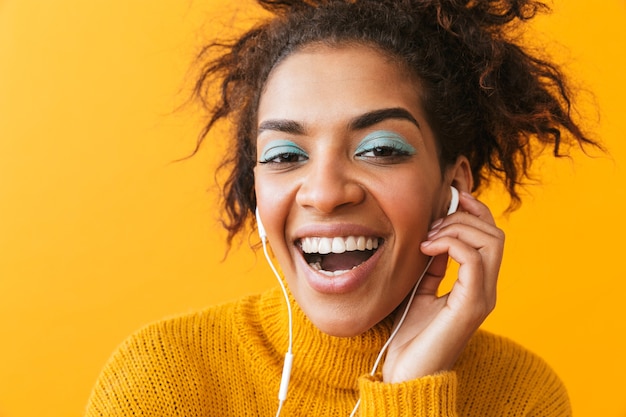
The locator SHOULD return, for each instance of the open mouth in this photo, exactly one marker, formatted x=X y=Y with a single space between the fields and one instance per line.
x=334 y=256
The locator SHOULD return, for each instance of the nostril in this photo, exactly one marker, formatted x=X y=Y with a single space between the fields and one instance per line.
x=329 y=189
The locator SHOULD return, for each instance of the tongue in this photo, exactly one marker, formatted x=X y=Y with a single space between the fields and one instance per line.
x=344 y=261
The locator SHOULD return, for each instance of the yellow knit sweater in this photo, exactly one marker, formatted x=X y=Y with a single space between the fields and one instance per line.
x=227 y=361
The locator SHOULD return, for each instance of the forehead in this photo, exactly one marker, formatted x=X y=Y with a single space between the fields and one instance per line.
x=321 y=81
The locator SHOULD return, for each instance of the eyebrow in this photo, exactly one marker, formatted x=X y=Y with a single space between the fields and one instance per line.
x=279 y=125
x=360 y=122
x=371 y=118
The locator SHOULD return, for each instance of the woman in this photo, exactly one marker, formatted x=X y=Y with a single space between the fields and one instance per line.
x=355 y=124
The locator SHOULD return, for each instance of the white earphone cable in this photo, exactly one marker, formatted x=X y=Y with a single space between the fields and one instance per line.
x=284 y=382
x=395 y=330
x=454 y=205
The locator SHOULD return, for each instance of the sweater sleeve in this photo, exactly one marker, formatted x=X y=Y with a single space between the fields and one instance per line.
x=493 y=377
x=150 y=374
x=499 y=377
x=117 y=391
x=431 y=396
x=551 y=396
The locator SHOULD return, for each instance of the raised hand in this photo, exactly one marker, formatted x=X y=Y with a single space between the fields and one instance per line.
x=437 y=328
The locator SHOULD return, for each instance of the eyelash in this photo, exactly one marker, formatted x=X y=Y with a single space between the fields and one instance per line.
x=397 y=151
x=381 y=146
x=276 y=156
x=284 y=158
x=288 y=157
x=385 y=145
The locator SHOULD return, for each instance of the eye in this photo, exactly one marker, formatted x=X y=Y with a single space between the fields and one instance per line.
x=283 y=158
x=381 y=151
x=384 y=144
x=282 y=152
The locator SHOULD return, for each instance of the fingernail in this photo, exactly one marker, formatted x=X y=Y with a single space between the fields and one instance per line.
x=426 y=242
x=436 y=224
x=468 y=195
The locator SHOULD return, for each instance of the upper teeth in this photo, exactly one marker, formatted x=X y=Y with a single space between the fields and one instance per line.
x=325 y=245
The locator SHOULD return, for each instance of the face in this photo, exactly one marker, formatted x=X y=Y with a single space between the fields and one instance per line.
x=347 y=183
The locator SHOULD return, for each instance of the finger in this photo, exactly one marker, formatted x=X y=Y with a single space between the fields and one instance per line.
x=479 y=219
x=489 y=241
x=434 y=275
x=473 y=206
x=475 y=226
x=469 y=221
x=477 y=277
x=489 y=246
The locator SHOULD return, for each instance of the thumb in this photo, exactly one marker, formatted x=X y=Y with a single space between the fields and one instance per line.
x=434 y=275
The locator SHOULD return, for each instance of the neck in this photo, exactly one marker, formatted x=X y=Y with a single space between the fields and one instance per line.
x=334 y=361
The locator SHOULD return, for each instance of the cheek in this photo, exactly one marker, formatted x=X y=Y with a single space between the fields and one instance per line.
x=409 y=205
x=274 y=199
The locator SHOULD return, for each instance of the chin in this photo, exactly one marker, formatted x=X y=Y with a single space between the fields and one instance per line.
x=342 y=325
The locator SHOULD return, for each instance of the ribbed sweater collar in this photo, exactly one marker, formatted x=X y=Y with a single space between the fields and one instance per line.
x=334 y=361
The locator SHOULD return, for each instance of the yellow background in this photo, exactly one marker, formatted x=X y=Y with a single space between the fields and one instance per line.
x=101 y=233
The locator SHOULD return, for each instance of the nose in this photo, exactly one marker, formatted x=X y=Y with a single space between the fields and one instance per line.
x=329 y=184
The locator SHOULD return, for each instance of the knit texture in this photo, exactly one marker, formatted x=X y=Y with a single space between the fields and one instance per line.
x=227 y=361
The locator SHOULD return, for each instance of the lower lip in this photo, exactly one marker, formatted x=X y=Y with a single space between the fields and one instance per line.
x=341 y=284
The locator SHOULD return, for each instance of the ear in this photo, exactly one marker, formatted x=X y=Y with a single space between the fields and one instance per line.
x=459 y=175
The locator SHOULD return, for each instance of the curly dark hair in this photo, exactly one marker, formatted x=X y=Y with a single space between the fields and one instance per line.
x=485 y=96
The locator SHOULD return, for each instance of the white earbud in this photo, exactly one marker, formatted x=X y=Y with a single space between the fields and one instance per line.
x=454 y=203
